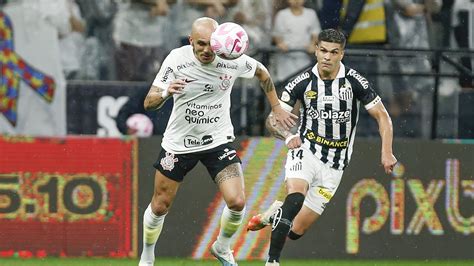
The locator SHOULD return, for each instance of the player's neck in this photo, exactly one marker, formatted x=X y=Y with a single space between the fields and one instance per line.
x=325 y=75
x=297 y=10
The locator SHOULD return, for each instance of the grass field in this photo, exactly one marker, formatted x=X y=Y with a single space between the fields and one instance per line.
x=184 y=262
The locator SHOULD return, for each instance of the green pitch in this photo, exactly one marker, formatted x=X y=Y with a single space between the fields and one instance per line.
x=187 y=262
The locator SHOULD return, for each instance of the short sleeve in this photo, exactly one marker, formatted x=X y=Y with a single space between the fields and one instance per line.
x=246 y=66
x=166 y=73
x=362 y=89
x=294 y=90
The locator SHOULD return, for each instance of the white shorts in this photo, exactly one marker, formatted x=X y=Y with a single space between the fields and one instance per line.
x=323 y=180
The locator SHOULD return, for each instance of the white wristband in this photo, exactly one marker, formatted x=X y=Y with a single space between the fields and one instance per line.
x=290 y=138
x=165 y=93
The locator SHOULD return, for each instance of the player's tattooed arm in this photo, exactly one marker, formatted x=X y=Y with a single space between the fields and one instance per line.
x=154 y=99
x=231 y=171
x=264 y=77
x=285 y=118
x=157 y=96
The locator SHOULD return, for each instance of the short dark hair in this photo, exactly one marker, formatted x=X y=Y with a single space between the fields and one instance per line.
x=332 y=35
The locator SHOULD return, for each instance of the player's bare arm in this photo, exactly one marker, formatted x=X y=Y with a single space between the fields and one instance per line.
x=157 y=96
x=292 y=140
x=380 y=114
x=288 y=120
x=231 y=171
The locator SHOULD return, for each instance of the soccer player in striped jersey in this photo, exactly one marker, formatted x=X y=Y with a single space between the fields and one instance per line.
x=328 y=98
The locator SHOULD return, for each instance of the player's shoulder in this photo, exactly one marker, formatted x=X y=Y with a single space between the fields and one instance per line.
x=300 y=80
x=355 y=77
x=180 y=51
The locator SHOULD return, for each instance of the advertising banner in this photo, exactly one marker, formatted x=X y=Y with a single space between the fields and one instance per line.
x=68 y=196
x=424 y=210
x=102 y=108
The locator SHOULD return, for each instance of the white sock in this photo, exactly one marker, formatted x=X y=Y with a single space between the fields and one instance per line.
x=230 y=223
x=152 y=225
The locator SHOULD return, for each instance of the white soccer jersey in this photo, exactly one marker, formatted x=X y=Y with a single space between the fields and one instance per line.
x=200 y=119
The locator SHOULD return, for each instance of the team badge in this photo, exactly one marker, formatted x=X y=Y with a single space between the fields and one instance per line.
x=345 y=92
x=168 y=162
x=311 y=94
x=225 y=84
x=285 y=96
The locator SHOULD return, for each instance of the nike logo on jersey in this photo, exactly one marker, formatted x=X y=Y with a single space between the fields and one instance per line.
x=232 y=157
x=188 y=80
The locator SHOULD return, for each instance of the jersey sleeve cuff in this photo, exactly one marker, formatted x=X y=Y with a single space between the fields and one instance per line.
x=373 y=103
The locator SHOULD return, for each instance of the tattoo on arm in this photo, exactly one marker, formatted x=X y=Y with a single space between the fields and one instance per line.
x=153 y=100
x=275 y=128
x=231 y=171
x=267 y=85
x=265 y=79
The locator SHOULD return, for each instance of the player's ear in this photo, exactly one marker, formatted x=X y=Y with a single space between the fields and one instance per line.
x=190 y=40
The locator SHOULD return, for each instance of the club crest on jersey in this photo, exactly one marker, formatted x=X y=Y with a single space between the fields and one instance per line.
x=345 y=92
x=311 y=94
x=285 y=96
x=168 y=161
x=225 y=84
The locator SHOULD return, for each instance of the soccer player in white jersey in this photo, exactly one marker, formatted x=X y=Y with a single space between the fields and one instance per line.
x=327 y=96
x=200 y=129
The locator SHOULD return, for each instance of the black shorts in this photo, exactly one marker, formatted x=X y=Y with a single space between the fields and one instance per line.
x=176 y=166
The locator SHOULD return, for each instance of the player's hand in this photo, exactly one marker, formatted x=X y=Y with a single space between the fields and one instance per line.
x=286 y=119
x=293 y=141
x=176 y=86
x=388 y=162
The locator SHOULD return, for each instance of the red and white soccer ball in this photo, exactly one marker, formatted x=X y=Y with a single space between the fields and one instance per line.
x=140 y=125
x=229 y=41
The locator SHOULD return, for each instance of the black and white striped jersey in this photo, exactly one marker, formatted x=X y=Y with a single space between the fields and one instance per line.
x=329 y=111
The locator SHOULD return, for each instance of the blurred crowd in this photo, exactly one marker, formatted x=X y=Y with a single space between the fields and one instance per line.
x=127 y=39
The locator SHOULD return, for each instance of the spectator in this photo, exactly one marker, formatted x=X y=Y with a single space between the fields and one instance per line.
x=296 y=27
x=329 y=14
x=412 y=19
x=98 y=62
x=255 y=17
x=364 y=24
x=189 y=10
x=140 y=35
x=363 y=21
x=462 y=11
x=71 y=43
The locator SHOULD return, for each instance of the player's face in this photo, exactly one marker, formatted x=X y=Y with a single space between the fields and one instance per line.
x=329 y=54
x=201 y=43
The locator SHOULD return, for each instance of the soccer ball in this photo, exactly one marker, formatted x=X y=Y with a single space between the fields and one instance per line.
x=139 y=125
x=229 y=41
